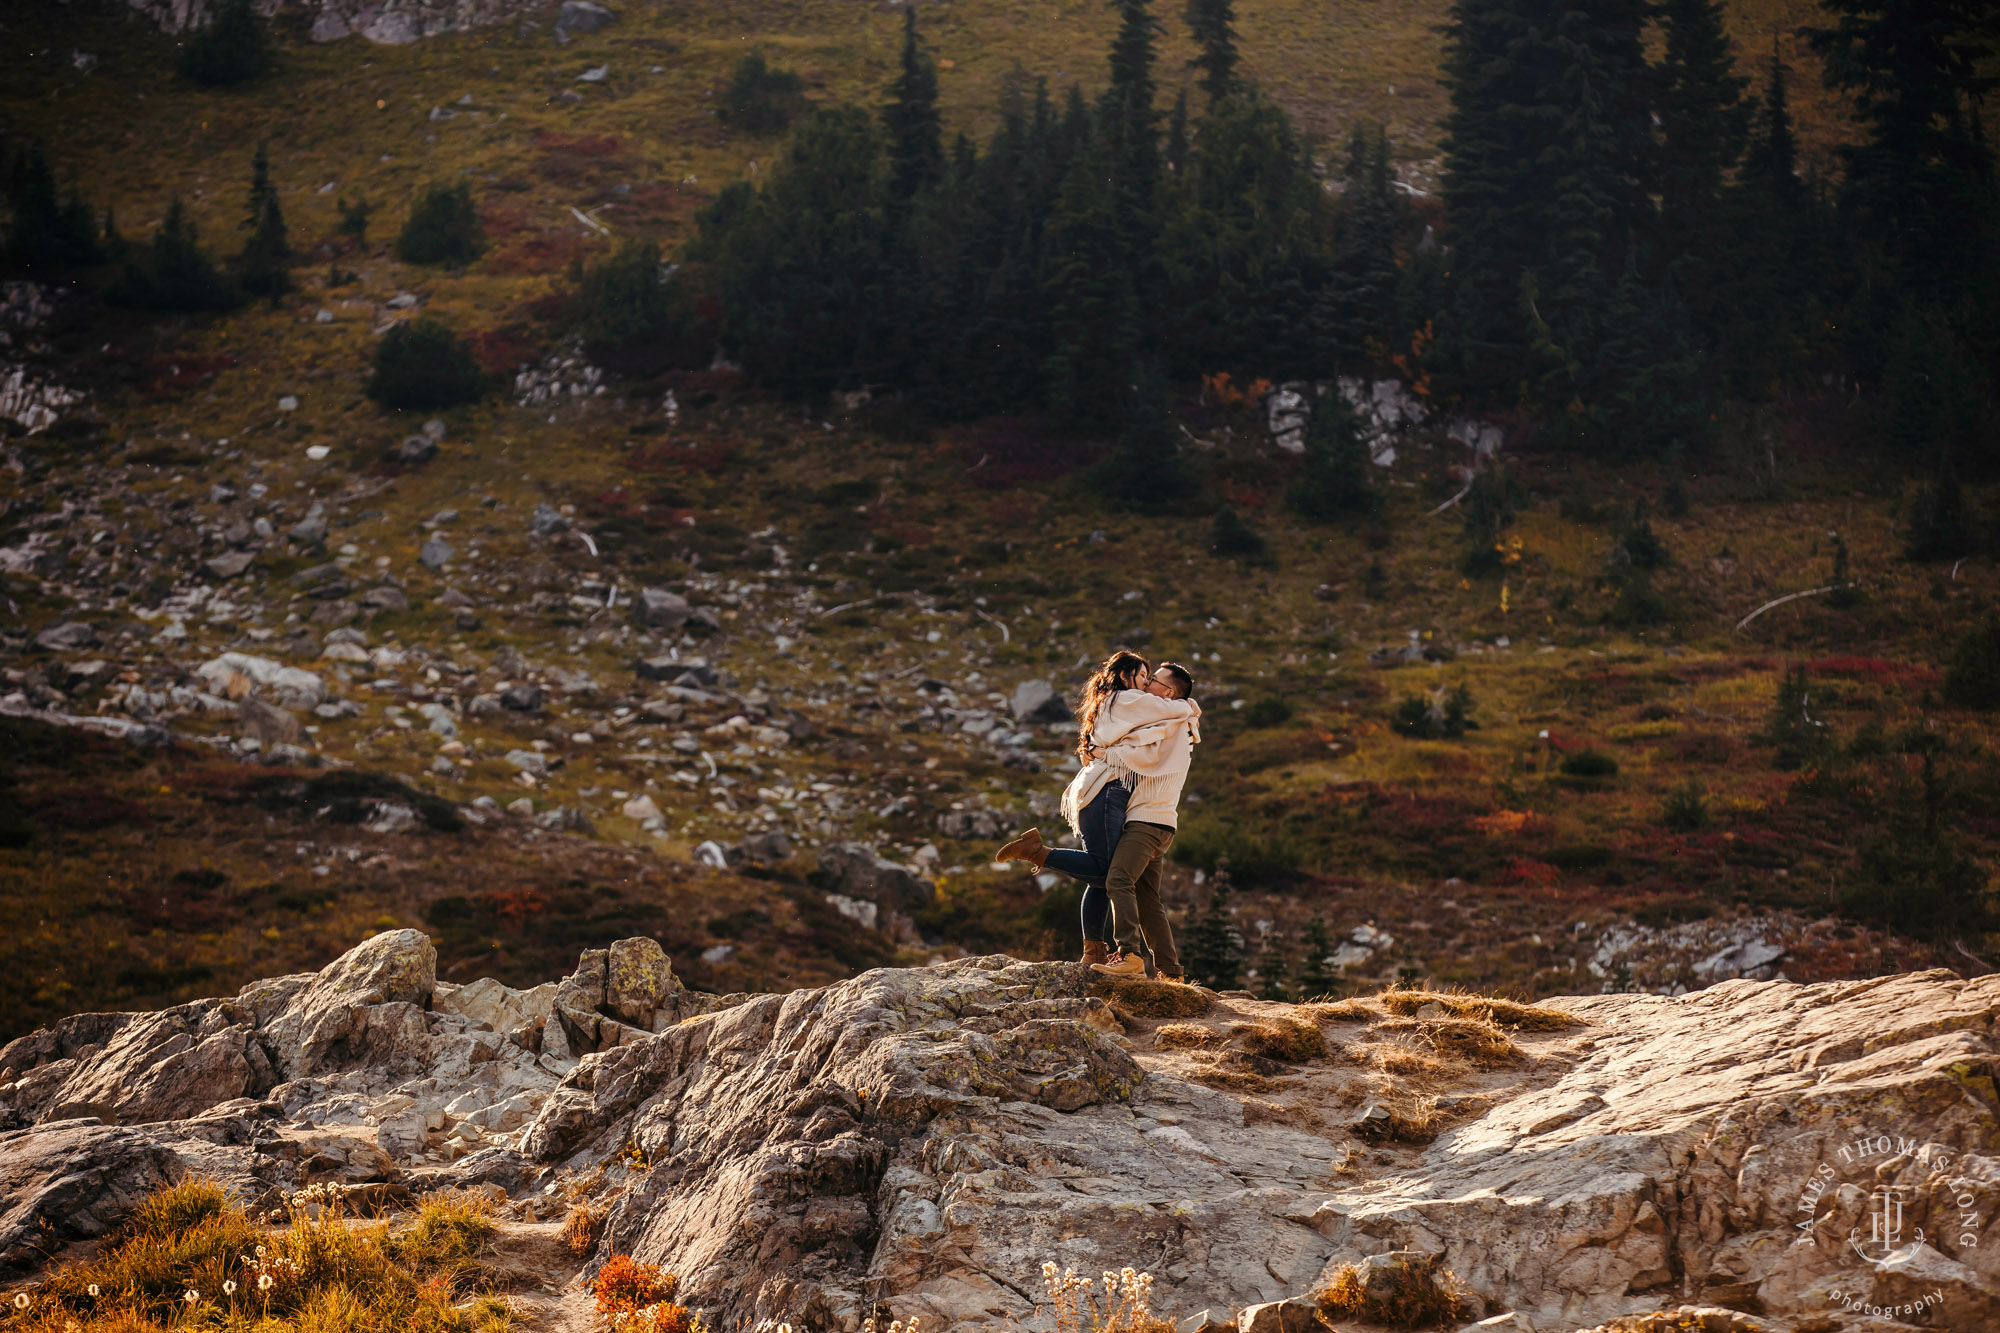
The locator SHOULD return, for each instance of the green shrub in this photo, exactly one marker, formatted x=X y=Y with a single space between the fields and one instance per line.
x=1639 y=547
x=232 y=47
x=1375 y=581
x=1440 y=715
x=1267 y=855
x=629 y=311
x=1334 y=481
x=1489 y=507
x=1268 y=713
x=1686 y=807
x=443 y=228
x=1145 y=471
x=1973 y=678
x=1912 y=877
x=43 y=231
x=1590 y=764
x=173 y=273
x=1795 y=736
x=423 y=365
x=1234 y=539
x=1640 y=603
x=760 y=98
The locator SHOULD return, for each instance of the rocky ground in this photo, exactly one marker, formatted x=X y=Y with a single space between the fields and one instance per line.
x=919 y=1142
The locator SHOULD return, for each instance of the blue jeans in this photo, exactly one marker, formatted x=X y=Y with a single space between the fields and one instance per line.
x=1103 y=820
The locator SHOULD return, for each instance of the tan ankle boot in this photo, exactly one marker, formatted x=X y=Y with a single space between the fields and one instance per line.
x=1096 y=951
x=1026 y=846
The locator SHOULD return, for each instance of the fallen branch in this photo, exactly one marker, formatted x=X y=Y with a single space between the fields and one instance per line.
x=1005 y=637
x=1954 y=568
x=866 y=601
x=1449 y=503
x=1788 y=597
x=1960 y=946
x=589 y=221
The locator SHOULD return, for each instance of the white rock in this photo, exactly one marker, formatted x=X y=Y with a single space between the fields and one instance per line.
x=234 y=675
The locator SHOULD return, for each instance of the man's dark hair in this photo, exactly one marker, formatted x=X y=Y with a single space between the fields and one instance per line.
x=1183 y=682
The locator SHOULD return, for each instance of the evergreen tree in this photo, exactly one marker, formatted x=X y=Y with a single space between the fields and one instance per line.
x=1128 y=128
x=233 y=47
x=173 y=273
x=628 y=311
x=915 y=130
x=1273 y=969
x=1212 y=24
x=43 y=231
x=1091 y=290
x=1703 y=124
x=262 y=191
x=1366 y=280
x=1145 y=471
x=443 y=228
x=1177 y=134
x=800 y=264
x=1649 y=395
x=1771 y=159
x=421 y=365
x=1923 y=178
x=1334 y=483
x=1547 y=148
x=354 y=221
x=1316 y=977
x=263 y=268
x=1214 y=953
x=1233 y=539
x=1244 y=255
x=761 y=98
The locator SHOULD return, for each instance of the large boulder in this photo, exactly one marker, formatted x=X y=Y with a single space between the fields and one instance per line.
x=235 y=675
x=658 y=608
x=1037 y=701
x=365 y=1006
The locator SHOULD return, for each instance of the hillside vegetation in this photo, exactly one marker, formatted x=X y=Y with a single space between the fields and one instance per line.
x=875 y=582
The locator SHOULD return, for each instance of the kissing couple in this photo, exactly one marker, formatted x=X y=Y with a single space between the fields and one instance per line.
x=1136 y=732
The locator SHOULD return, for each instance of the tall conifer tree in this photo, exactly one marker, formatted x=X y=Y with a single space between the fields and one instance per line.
x=916 y=134
x=1923 y=178
x=1212 y=24
x=263 y=266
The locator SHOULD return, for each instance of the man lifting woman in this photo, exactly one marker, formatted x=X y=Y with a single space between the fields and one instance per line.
x=1136 y=732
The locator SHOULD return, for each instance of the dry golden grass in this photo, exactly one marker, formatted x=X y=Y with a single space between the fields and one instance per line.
x=581 y=1228
x=1409 y=1061
x=1412 y=1303
x=1152 y=999
x=1511 y=1013
x=189 y=1257
x=1281 y=1039
x=1257 y=1112
x=1477 y=1040
x=1343 y=1011
x=1184 y=1036
x=1228 y=1078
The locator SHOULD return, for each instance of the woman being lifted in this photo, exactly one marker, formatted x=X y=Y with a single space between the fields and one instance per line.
x=1134 y=725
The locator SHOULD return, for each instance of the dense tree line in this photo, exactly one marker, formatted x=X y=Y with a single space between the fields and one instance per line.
x=1628 y=240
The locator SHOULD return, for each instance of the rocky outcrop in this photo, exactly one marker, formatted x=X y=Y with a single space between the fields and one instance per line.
x=918 y=1142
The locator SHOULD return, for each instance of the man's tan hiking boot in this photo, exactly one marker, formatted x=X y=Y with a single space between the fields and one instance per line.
x=1129 y=966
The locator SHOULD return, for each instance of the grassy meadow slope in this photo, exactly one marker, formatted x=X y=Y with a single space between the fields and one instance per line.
x=145 y=878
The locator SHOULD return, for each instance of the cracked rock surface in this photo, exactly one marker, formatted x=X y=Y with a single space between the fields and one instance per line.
x=917 y=1142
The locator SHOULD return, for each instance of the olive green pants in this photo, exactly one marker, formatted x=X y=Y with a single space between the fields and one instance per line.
x=1133 y=885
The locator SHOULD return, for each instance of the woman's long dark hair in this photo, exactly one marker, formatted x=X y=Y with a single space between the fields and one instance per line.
x=1116 y=674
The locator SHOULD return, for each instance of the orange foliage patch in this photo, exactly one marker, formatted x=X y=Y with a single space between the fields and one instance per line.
x=625 y=1287
x=1509 y=823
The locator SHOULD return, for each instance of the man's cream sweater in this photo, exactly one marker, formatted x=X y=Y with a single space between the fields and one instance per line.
x=1148 y=743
